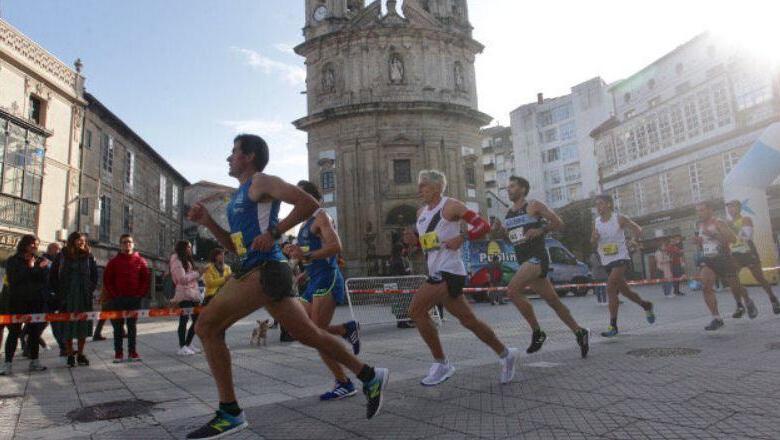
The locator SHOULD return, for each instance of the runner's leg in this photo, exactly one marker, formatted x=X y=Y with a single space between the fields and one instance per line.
x=460 y=309
x=545 y=289
x=426 y=297
x=322 y=310
x=516 y=291
x=758 y=274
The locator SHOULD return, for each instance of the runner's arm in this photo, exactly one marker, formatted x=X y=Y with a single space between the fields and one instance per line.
x=627 y=223
x=200 y=214
x=271 y=187
x=455 y=210
x=331 y=244
x=747 y=229
x=554 y=222
x=725 y=232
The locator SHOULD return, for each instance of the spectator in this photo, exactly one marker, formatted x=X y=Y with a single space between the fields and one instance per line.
x=398 y=267
x=74 y=280
x=675 y=250
x=217 y=273
x=664 y=262
x=599 y=273
x=185 y=276
x=52 y=254
x=126 y=282
x=496 y=274
x=26 y=280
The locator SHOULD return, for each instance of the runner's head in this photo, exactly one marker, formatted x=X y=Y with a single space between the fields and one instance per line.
x=518 y=188
x=250 y=153
x=431 y=184
x=311 y=189
x=734 y=208
x=705 y=211
x=604 y=204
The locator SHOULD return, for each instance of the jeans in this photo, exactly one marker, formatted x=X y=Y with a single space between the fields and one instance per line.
x=667 y=288
x=124 y=303
x=185 y=337
x=601 y=293
x=15 y=332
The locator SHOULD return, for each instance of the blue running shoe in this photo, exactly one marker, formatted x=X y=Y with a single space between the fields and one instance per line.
x=353 y=335
x=341 y=391
x=650 y=314
x=221 y=425
x=612 y=331
x=374 y=391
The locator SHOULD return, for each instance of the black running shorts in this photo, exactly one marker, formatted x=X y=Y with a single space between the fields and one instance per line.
x=455 y=283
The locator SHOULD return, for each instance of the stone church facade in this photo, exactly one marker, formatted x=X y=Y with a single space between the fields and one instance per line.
x=390 y=93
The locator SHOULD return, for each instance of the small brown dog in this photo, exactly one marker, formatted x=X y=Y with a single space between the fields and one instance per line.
x=260 y=332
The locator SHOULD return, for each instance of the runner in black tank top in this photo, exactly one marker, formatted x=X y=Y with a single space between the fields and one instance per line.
x=526 y=223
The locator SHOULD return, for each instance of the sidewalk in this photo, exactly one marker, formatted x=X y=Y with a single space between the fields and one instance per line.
x=710 y=385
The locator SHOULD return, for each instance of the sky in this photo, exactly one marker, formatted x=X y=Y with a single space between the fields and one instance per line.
x=187 y=75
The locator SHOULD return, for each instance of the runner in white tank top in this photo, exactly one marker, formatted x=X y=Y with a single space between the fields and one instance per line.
x=609 y=237
x=438 y=226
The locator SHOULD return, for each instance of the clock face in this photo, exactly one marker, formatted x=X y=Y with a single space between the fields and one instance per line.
x=320 y=13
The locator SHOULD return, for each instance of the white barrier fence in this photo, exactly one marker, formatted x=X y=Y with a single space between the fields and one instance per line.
x=383 y=300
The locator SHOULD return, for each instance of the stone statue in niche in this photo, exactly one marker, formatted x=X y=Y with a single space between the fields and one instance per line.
x=460 y=81
x=396 y=69
x=328 y=79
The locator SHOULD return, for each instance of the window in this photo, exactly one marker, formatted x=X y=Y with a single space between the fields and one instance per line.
x=691 y=117
x=22 y=163
x=84 y=204
x=163 y=192
x=561 y=113
x=651 y=128
x=552 y=177
x=129 y=171
x=752 y=87
x=664 y=129
x=544 y=118
x=574 y=192
x=37 y=110
x=551 y=155
x=568 y=131
x=88 y=139
x=105 y=219
x=730 y=160
x=572 y=172
x=555 y=196
x=127 y=218
x=694 y=174
x=550 y=135
x=108 y=153
x=678 y=127
x=666 y=195
x=705 y=110
x=328 y=180
x=402 y=171
x=641 y=140
x=720 y=96
x=639 y=198
x=175 y=201
x=471 y=175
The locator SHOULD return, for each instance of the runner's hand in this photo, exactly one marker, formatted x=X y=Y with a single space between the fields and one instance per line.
x=199 y=214
x=264 y=242
x=533 y=233
x=453 y=243
x=294 y=251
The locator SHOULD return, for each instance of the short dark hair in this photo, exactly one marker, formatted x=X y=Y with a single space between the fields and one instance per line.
x=123 y=236
x=522 y=182
x=24 y=242
x=311 y=189
x=253 y=144
x=214 y=252
x=607 y=199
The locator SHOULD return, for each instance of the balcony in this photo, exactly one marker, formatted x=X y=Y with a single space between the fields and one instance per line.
x=18 y=213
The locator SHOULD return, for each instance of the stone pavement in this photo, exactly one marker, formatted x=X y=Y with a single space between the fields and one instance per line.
x=723 y=385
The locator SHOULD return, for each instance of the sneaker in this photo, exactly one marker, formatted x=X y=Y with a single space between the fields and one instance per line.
x=612 y=331
x=185 y=351
x=353 y=335
x=119 y=357
x=221 y=425
x=740 y=312
x=752 y=310
x=583 y=335
x=437 y=374
x=194 y=349
x=97 y=338
x=82 y=360
x=341 y=391
x=71 y=361
x=650 y=315
x=6 y=369
x=537 y=340
x=374 y=391
x=508 y=365
x=405 y=324
x=35 y=366
x=714 y=325
x=134 y=357
x=776 y=308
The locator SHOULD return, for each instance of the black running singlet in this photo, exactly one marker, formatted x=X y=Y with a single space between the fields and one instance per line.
x=517 y=222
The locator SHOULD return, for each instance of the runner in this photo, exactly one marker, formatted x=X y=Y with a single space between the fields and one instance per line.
x=264 y=280
x=527 y=222
x=438 y=225
x=714 y=238
x=745 y=254
x=609 y=237
x=318 y=248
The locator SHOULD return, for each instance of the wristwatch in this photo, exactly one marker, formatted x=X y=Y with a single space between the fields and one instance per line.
x=275 y=232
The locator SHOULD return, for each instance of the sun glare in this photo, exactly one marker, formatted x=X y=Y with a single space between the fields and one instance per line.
x=751 y=27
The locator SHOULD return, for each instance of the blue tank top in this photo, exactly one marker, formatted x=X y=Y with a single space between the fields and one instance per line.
x=310 y=242
x=247 y=220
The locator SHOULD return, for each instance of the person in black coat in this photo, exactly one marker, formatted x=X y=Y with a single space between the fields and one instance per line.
x=26 y=281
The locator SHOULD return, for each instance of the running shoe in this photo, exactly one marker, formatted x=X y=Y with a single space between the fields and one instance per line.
x=751 y=309
x=82 y=360
x=341 y=391
x=35 y=365
x=776 y=308
x=437 y=374
x=185 y=351
x=374 y=391
x=194 y=349
x=221 y=425
x=714 y=325
x=71 y=362
x=650 y=314
x=353 y=335
x=740 y=312
x=134 y=357
x=611 y=332
x=583 y=335
x=537 y=340
x=119 y=357
x=508 y=365
x=98 y=338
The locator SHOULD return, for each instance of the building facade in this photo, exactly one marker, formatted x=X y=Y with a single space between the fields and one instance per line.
x=553 y=147
x=680 y=125
x=498 y=165
x=389 y=94
x=127 y=187
x=41 y=112
x=215 y=198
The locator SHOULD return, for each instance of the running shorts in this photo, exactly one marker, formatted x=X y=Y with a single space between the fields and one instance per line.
x=455 y=283
x=723 y=266
x=324 y=284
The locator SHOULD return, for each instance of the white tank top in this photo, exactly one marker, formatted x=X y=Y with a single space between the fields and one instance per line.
x=612 y=240
x=431 y=238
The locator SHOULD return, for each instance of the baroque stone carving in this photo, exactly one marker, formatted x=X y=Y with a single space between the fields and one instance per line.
x=29 y=50
x=396 y=69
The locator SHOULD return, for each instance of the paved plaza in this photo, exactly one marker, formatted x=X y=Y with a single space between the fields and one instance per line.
x=667 y=381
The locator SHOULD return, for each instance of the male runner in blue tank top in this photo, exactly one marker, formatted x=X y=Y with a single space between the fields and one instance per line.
x=264 y=280
x=318 y=247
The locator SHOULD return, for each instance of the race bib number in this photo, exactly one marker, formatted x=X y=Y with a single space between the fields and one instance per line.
x=238 y=243
x=429 y=241
x=517 y=235
x=609 y=249
x=710 y=249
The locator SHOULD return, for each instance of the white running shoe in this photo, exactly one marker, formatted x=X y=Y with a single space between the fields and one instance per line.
x=438 y=374
x=194 y=349
x=185 y=351
x=508 y=365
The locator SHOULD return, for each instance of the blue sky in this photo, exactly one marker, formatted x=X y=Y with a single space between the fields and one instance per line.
x=189 y=74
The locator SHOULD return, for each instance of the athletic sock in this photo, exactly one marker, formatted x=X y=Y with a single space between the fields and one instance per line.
x=504 y=353
x=231 y=408
x=366 y=374
x=442 y=361
x=613 y=322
